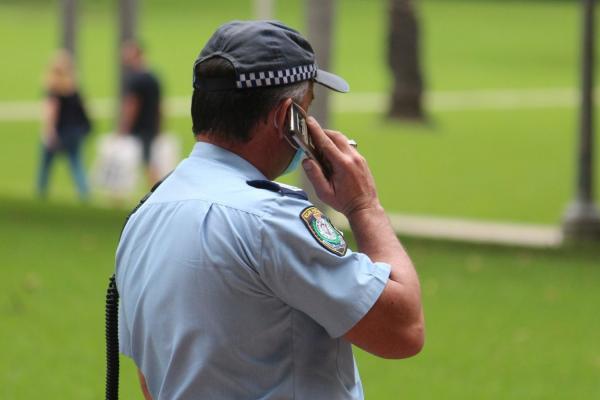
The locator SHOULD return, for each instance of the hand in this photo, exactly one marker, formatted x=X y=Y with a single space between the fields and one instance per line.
x=51 y=141
x=351 y=187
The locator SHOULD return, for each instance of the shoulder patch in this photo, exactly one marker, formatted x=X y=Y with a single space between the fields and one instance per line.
x=284 y=190
x=323 y=230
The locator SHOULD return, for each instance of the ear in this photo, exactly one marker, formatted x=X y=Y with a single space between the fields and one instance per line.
x=280 y=113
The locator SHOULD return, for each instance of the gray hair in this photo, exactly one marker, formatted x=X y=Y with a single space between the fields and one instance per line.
x=295 y=91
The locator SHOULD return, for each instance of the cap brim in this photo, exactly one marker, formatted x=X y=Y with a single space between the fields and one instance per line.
x=332 y=81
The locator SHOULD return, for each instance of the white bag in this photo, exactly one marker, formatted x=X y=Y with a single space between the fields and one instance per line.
x=116 y=169
x=165 y=153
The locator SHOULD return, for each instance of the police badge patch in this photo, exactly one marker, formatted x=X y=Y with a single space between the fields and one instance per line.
x=322 y=230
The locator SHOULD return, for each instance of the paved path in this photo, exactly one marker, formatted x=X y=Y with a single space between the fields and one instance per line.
x=503 y=99
x=544 y=236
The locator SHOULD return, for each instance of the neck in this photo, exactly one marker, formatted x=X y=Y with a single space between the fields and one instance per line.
x=258 y=151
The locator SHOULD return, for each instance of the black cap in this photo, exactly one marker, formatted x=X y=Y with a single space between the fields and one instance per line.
x=263 y=53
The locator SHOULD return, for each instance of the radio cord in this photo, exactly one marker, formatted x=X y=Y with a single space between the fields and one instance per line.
x=112 y=340
x=112 y=320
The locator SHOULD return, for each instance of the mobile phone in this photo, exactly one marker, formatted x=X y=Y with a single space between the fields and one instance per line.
x=299 y=136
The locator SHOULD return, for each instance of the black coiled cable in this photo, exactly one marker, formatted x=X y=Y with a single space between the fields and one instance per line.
x=112 y=320
x=112 y=340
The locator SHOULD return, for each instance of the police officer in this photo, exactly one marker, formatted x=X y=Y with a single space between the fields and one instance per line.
x=235 y=287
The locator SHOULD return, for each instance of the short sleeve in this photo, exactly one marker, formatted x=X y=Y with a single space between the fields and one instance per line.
x=335 y=288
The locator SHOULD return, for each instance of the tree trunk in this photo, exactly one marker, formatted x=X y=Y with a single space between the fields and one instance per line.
x=263 y=9
x=69 y=25
x=320 y=16
x=128 y=12
x=582 y=219
x=404 y=61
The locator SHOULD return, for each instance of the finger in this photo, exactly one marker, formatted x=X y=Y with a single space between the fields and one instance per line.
x=339 y=139
x=317 y=177
x=321 y=140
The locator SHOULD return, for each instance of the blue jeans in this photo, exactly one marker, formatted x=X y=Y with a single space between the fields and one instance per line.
x=71 y=148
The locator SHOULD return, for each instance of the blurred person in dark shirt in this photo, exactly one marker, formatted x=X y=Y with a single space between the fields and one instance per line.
x=140 y=108
x=65 y=123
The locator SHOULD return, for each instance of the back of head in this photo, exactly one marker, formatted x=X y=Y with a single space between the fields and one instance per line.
x=231 y=114
x=245 y=69
x=132 y=54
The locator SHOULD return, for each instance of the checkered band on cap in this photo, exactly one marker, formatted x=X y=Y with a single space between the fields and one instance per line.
x=277 y=77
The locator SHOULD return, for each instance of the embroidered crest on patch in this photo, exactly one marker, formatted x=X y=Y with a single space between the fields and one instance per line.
x=322 y=230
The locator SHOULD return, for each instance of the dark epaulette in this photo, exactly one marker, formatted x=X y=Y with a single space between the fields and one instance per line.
x=284 y=190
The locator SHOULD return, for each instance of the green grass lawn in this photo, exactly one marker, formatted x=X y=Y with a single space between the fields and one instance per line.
x=515 y=165
x=501 y=323
x=503 y=165
x=500 y=164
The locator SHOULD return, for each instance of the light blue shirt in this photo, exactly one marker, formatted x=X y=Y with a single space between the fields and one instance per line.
x=227 y=293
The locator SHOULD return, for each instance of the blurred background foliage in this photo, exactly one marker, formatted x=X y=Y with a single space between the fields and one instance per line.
x=473 y=160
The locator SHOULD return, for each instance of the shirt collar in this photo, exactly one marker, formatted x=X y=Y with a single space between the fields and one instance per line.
x=225 y=158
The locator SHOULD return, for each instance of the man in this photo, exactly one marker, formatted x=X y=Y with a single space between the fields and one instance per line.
x=236 y=287
x=140 y=108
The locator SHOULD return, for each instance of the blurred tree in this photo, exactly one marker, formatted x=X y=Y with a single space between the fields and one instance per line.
x=128 y=13
x=582 y=219
x=406 y=101
x=320 y=18
x=320 y=15
x=263 y=9
x=69 y=25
